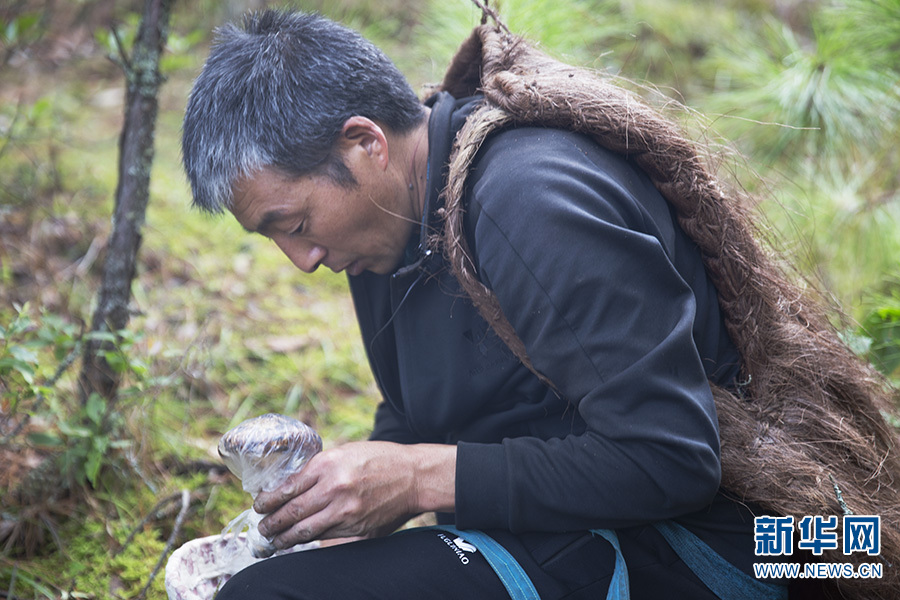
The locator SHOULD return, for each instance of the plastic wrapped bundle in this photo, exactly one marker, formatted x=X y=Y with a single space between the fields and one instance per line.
x=198 y=569
x=263 y=452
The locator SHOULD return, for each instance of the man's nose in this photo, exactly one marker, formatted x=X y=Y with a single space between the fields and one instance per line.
x=305 y=255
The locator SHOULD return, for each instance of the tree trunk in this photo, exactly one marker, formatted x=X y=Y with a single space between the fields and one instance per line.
x=132 y=193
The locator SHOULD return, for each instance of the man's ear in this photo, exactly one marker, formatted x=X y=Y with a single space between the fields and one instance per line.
x=365 y=134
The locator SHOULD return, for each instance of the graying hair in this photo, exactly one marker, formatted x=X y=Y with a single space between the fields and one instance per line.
x=275 y=93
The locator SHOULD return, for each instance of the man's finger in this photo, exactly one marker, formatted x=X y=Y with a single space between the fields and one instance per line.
x=288 y=515
x=314 y=528
x=300 y=533
x=293 y=486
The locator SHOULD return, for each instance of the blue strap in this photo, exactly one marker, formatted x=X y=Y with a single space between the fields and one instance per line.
x=517 y=583
x=507 y=568
x=724 y=579
x=720 y=576
x=618 y=586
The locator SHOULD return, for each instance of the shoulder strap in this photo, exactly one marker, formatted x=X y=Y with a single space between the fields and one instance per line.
x=507 y=568
x=513 y=576
x=720 y=576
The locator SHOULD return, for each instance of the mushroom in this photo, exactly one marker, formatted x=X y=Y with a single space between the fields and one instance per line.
x=263 y=452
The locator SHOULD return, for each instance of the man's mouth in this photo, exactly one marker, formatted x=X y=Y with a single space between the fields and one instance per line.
x=354 y=268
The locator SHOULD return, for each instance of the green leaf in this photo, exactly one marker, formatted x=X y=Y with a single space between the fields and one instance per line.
x=92 y=467
x=44 y=439
x=73 y=431
x=95 y=408
x=24 y=354
x=28 y=21
x=13 y=364
x=104 y=38
x=95 y=456
x=99 y=445
x=42 y=389
x=115 y=361
x=39 y=108
x=11 y=33
x=20 y=324
x=139 y=367
x=102 y=336
x=889 y=313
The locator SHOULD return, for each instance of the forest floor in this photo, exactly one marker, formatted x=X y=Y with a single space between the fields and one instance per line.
x=225 y=328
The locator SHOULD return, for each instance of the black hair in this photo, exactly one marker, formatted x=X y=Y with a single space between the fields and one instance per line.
x=276 y=92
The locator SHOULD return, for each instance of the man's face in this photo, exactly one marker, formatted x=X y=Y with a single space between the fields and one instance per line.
x=314 y=220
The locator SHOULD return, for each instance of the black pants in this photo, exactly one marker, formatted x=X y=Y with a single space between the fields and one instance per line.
x=431 y=564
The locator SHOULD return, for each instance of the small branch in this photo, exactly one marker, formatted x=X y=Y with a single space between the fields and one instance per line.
x=839 y=496
x=85 y=262
x=486 y=12
x=123 y=55
x=199 y=466
x=158 y=512
x=150 y=516
x=170 y=543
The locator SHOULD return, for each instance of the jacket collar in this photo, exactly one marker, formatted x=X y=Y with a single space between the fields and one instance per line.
x=448 y=114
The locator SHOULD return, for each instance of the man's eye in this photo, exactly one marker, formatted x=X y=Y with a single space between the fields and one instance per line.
x=299 y=230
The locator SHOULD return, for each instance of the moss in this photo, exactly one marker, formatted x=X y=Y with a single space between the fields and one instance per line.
x=129 y=569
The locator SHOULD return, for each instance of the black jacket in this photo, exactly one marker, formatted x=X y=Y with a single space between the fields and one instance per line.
x=613 y=304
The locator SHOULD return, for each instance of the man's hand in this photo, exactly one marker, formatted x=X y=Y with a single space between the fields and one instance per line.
x=361 y=489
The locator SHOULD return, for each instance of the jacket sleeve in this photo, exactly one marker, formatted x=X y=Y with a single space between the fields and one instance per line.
x=391 y=426
x=561 y=235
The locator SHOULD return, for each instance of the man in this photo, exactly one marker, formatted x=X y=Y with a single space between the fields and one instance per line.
x=308 y=135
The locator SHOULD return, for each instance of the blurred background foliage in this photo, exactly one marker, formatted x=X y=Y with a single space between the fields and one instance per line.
x=801 y=96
